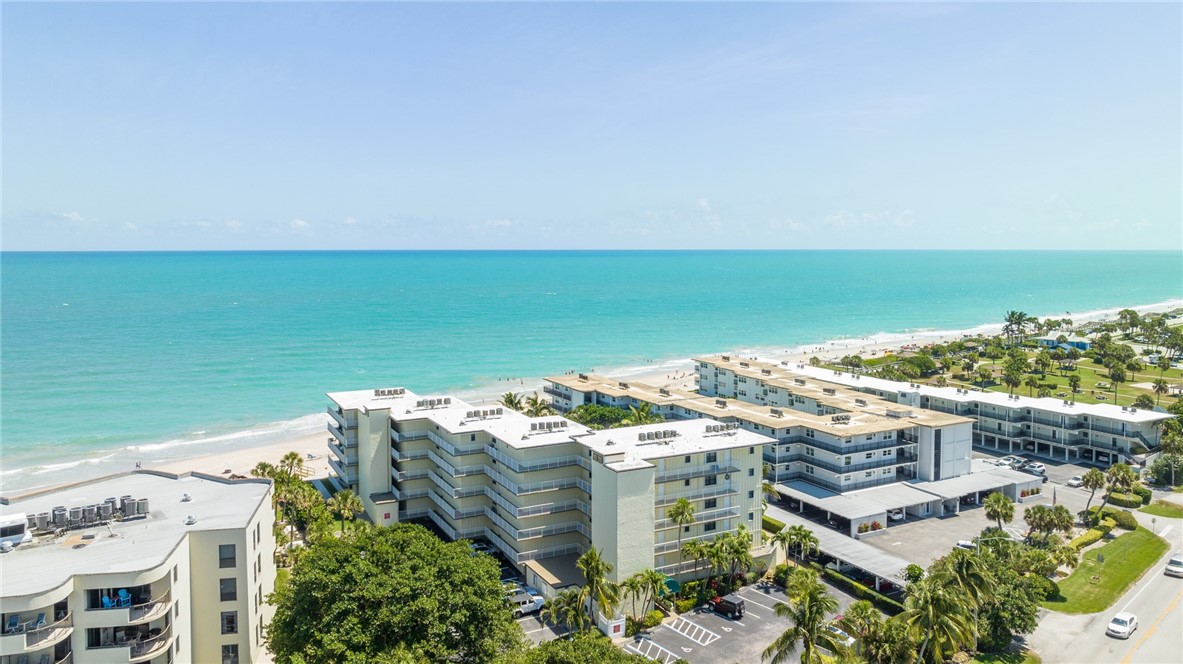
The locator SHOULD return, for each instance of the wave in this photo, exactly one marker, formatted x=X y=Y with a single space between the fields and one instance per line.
x=263 y=433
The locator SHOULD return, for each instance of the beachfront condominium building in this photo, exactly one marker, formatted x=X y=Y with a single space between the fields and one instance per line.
x=544 y=490
x=1059 y=428
x=829 y=437
x=139 y=567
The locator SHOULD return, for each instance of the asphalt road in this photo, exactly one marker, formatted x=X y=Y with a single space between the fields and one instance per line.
x=1157 y=601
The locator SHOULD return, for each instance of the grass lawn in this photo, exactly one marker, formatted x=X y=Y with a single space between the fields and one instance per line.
x=281 y=576
x=1163 y=508
x=1094 y=586
x=1006 y=658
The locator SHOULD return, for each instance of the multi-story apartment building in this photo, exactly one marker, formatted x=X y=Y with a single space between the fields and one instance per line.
x=140 y=567
x=543 y=490
x=1097 y=433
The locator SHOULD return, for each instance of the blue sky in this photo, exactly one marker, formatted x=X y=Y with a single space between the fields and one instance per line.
x=392 y=126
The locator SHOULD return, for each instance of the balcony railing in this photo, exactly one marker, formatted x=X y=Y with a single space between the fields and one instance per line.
x=348 y=475
x=151 y=608
x=51 y=633
x=347 y=438
x=455 y=451
x=880 y=462
x=843 y=448
x=540 y=464
x=701 y=517
x=547 y=389
x=142 y=650
x=699 y=471
x=671 y=498
x=404 y=436
x=341 y=419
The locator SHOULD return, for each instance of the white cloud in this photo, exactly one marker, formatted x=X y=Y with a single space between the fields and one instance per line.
x=300 y=226
x=234 y=225
x=130 y=227
x=75 y=218
x=904 y=219
x=349 y=221
x=704 y=204
x=491 y=224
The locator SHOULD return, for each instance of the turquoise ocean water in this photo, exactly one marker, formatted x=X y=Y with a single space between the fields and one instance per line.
x=113 y=356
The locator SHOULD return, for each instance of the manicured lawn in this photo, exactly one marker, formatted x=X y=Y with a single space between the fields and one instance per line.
x=1163 y=508
x=281 y=576
x=1006 y=658
x=1094 y=586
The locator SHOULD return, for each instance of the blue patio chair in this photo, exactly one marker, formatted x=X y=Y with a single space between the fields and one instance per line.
x=124 y=598
x=14 y=621
x=107 y=603
x=39 y=622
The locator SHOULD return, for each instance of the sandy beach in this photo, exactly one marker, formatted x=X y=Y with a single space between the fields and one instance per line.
x=313 y=448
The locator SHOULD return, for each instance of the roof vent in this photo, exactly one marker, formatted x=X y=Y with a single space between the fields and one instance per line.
x=582 y=376
x=186 y=497
x=726 y=358
x=623 y=385
x=190 y=520
x=721 y=403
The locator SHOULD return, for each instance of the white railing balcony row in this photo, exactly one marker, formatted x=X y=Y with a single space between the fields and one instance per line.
x=406 y=475
x=551 y=552
x=541 y=464
x=476 y=448
x=402 y=437
x=701 y=517
x=698 y=471
x=347 y=473
x=151 y=609
x=343 y=421
x=143 y=650
x=720 y=490
x=555 y=529
x=413 y=455
x=347 y=438
x=666 y=547
x=50 y=634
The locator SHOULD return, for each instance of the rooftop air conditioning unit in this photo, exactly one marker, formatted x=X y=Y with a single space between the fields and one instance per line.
x=190 y=520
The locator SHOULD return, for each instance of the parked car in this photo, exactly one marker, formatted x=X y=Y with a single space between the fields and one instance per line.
x=1076 y=480
x=966 y=544
x=1036 y=468
x=481 y=547
x=1011 y=461
x=895 y=515
x=1122 y=625
x=1175 y=565
x=840 y=567
x=731 y=606
x=840 y=636
x=525 y=604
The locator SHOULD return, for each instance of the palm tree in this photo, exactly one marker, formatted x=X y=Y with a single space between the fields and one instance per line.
x=682 y=514
x=566 y=608
x=268 y=471
x=345 y=504
x=738 y=546
x=1012 y=380
x=807 y=610
x=1074 y=383
x=1172 y=444
x=1093 y=479
x=603 y=593
x=652 y=585
x=999 y=507
x=966 y=575
x=718 y=554
x=984 y=374
x=292 y=462
x=1160 y=388
x=640 y=414
x=936 y=617
x=860 y=620
x=536 y=406
x=634 y=587
x=698 y=550
x=1064 y=555
x=511 y=401
x=804 y=540
x=784 y=539
x=1031 y=382
x=1118 y=479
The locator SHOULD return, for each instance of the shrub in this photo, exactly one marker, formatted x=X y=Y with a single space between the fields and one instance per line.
x=1023 y=493
x=685 y=605
x=772 y=525
x=1144 y=493
x=1125 y=500
x=781 y=575
x=1049 y=587
x=1107 y=524
x=1036 y=491
x=1125 y=520
x=1090 y=537
x=864 y=527
x=875 y=525
x=653 y=618
x=882 y=602
x=631 y=626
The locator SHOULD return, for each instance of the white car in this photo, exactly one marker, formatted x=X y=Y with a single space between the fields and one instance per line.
x=895 y=515
x=1010 y=461
x=525 y=604
x=1076 y=480
x=839 y=635
x=1036 y=469
x=1122 y=625
x=1175 y=565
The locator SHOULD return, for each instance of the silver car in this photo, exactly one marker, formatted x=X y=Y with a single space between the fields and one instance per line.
x=1175 y=565
x=1123 y=625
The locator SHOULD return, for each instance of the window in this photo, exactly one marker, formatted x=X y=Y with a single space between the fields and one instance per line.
x=751 y=494
x=870 y=436
x=709 y=526
x=809 y=433
x=685 y=529
x=229 y=622
x=809 y=451
x=472 y=438
x=846 y=461
x=808 y=470
x=888 y=453
x=710 y=503
x=868 y=473
x=751 y=516
x=711 y=480
x=686 y=460
x=870 y=455
x=751 y=472
x=686 y=483
x=229 y=589
x=752 y=450
x=936 y=436
x=226 y=556
x=230 y=654
x=712 y=457
x=174 y=573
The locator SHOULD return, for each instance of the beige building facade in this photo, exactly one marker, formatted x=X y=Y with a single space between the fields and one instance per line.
x=140 y=567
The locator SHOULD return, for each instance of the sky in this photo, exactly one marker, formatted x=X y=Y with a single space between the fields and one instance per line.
x=238 y=126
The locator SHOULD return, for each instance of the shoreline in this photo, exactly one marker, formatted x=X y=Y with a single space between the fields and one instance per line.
x=241 y=450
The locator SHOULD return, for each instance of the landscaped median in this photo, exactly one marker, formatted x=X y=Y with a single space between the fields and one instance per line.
x=1094 y=586
x=1164 y=508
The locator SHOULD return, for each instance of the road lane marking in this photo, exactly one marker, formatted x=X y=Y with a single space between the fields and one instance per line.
x=1153 y=627
x=770 y=608
x=1148 y=584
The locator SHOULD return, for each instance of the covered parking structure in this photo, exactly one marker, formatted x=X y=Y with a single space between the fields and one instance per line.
x=880 y=564
x=975 y=485
x=902 y=495
x=851 y=507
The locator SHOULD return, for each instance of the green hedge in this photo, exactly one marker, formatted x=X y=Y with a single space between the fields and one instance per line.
x=1144 y=493
x=1050 y=588
x=882 y=602
x=685 y=605
x=1090 y=537
x=1125 y=500
x=772 y=525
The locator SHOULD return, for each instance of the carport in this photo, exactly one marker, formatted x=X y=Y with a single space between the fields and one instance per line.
x=849 y=550
x=550 y=575
x=950 y=491
x=900 y=496
x=849 y=506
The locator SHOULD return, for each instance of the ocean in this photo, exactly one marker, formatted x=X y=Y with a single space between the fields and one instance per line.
x=110 y=356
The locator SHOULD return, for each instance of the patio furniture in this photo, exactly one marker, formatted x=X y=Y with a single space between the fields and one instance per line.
x=107 y=603
x=13 y=624
x=124 y=598
x=38 y=623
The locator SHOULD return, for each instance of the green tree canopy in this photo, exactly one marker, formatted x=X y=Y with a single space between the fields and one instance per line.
x=391 y=594
x=582 y=648
x=597 y=416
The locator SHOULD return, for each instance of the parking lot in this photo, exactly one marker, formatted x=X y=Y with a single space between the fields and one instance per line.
x=705 y=637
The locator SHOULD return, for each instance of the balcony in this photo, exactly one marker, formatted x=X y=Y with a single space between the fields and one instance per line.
x=142 y=651
x=556 y=393
x=671 y=498
x=346 y=438
x=402 y=437
x=701 y=517
x=348 y=456
x=541 y=464
x=843 y=448
x=53 y=633
x=347 y=474
x=699 y=471
x=342 y=420
x=151 y=609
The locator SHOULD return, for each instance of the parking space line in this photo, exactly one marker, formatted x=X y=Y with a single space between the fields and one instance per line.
x=770 y=608
x=693 y=631
x=648 y=646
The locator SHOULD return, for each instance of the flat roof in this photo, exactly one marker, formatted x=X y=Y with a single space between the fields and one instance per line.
x=985 y=480
x=658 y=396
x=125 y=546
x=894 y=496
x=846 y=505
x=559 y=571
x=848 y=549
x=668 y=439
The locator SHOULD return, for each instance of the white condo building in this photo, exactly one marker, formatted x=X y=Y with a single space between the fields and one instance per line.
x=544 y=490
x=140 y=567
